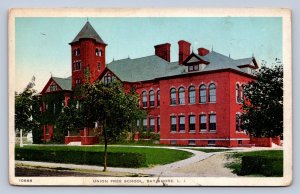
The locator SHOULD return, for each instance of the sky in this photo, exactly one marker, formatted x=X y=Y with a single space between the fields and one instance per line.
x=42 y=44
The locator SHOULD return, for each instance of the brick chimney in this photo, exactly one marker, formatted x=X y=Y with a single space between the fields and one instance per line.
x=163 y=51
x=202 y=51
x=184 y=50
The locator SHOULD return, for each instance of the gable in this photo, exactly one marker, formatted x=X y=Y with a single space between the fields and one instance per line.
x=51 y=86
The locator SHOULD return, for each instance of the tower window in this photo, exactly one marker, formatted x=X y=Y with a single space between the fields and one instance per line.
x=77 y=52
x=77 y=66
x=97 y=52
x=77 y=82
x=98 y=66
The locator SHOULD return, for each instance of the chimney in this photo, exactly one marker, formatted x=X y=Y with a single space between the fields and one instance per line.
x=184 y=50
x=163 y=51
x=202 y=51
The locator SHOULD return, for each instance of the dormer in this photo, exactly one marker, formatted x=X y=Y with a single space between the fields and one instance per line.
x=194 y=63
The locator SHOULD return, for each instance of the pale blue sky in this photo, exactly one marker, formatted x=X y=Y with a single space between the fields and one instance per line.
x=42 y=43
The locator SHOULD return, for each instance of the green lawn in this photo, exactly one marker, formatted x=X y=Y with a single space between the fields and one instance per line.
x=257 y=163
x=154 y=156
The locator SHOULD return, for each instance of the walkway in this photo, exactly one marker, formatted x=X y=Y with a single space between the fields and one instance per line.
x=200 y=164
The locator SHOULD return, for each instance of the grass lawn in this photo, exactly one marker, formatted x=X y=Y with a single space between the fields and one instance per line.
x=257 y=163
x=154 y=156
x=210 y=150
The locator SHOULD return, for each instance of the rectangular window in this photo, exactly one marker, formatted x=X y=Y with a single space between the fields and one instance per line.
x=145 y=126
x=138 y=123
x=173 y=142
x=192 y=142
x=173 y=123
x=152 y=125
x=192 y=123
x=158 y=124
x=202 y=122
x=212 y=122
x=181 y=123
x=158 y=98
x=98 y=66
x=211 y=142
x=193 y=68
x=53 y=88
x=240 y=142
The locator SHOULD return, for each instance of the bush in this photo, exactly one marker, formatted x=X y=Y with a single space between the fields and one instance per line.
x=115 y=159
x=37 y=135
x=265 y=165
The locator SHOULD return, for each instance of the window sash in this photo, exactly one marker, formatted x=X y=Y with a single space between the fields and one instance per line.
x=181 y=97
x=192 y=96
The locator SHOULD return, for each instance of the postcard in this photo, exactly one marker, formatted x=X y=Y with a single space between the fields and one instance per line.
x=150 y=97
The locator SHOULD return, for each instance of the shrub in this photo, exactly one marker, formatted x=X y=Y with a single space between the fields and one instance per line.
x=115 y=159
x=265 y=165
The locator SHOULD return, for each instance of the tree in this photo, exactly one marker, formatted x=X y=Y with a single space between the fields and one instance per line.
x=263 y=107
x=27 y=105
x=109 y=106
x=24 y=103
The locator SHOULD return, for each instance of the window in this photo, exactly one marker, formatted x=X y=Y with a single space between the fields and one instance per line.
x=193 y=68
x=192 y=123
x=202 y=122
x=192 y=98
x=173 y=123
x=77 y=52
x=158 y=124
x=240 y=142
x=144 y=96
x=151 y=95
x=202 y=94
x=77 y=82
x=77 y=66
x=181 y=123
x=237 y=93
x=181 y=95
x=151 y=124
x=158 y=98
x=237 y=122
x=192 y=142
x=211 y=142
x=99 y=66
x=173 y=96
x=53 y=87
x=97 y=52
x=173 y=142
x=212 y=122
x=107 y=78
x=138 y=123
x=212 y=93
x=242 y=93
x=145 y=124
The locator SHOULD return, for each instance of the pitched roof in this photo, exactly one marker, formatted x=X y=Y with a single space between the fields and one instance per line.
x=88 y=32
x=143 y=69
x=152 y=67
x=64 y=83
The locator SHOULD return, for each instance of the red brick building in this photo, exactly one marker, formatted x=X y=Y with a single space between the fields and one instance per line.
x=193 y=101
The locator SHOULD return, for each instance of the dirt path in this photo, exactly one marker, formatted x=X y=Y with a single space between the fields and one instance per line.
x=214 y=166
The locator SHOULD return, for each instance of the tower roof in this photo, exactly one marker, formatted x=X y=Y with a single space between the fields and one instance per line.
x=88 y=32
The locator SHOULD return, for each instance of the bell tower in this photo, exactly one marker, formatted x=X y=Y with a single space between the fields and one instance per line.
x=88 y=56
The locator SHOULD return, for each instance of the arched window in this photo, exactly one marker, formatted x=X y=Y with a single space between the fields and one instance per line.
x=192 y=95
x=173 y=96
x=181 y=95
x=158 y=98
x=202 y=94
x=144 y=96
x=151 y=95
x=97 y=52
x=238 y=93
x=212 y=93
x=77 y=52
x=242 y=93
x=100 y=53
